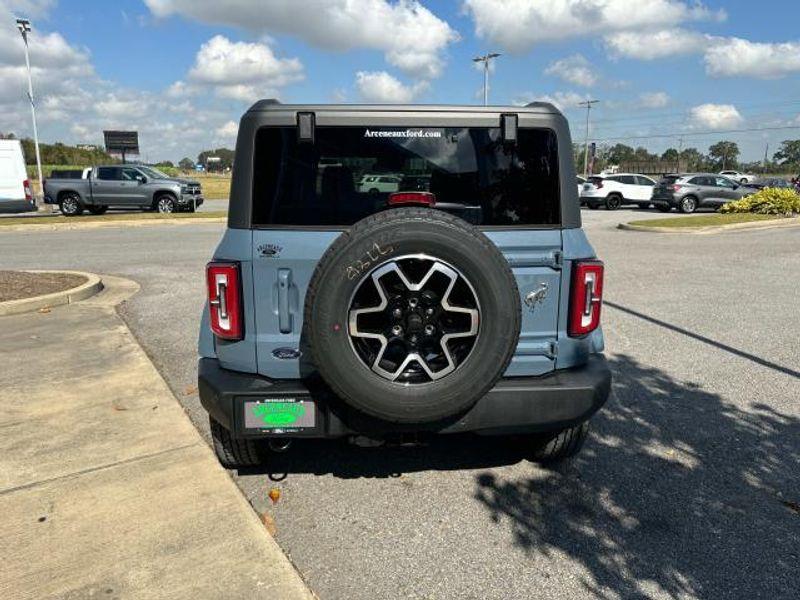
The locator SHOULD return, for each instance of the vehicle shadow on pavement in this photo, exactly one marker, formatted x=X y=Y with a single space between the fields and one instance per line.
x=677 y=493
x=443 y=453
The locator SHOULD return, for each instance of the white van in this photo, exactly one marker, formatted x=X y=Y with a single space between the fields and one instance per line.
x=16 y=193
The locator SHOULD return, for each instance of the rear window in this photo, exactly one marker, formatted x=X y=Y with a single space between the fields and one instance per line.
x=669 y=179
x=348 y=173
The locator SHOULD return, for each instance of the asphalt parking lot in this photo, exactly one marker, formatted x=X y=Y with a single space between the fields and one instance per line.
x=689 y=486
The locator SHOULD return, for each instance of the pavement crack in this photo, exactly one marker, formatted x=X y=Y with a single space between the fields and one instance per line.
x=94 y=469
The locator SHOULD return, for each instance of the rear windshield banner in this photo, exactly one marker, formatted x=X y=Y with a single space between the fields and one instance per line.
x=403 y=133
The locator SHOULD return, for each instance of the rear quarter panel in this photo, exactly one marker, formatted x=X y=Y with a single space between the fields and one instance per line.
x=236 y=245
x=574 y=351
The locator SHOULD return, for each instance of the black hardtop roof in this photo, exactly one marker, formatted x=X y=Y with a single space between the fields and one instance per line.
x=271 y=104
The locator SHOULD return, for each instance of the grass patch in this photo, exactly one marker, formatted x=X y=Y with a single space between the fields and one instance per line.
x=215 y=187
x=713 y=220
x=148 y=216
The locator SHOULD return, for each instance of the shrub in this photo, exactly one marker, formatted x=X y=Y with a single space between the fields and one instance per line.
x=769 y=201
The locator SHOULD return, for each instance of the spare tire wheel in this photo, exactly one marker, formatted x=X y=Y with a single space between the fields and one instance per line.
x=412 y=315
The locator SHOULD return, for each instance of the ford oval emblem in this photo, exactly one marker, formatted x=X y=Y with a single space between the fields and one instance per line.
x=286 y=353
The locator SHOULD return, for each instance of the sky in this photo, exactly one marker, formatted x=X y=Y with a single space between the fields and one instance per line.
x=667 y=73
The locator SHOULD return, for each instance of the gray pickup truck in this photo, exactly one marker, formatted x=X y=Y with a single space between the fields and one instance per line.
x=122 y=186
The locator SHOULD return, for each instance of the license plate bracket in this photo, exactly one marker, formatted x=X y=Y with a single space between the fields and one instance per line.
x=279 y=415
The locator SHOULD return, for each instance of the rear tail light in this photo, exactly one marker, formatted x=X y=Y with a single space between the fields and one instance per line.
x=406 y=198
x=225 y=300
x=26 y=185
x=586 y=297
x=676 y=188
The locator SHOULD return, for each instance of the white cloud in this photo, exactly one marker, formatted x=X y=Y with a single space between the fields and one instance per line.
x=26 y=8
x=411 y=37
x=716 y=116
x=180 y=89
x=723 y=57
x=650 y=45
x=228 y=130
x=339 y=95
x=653 y=99
x=516 y=25
x=561 y=100
x=241 y=70
x=574 y=69
x=735 y=57
x=380 y=87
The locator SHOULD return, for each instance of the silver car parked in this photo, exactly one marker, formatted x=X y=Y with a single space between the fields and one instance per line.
x=688 y=192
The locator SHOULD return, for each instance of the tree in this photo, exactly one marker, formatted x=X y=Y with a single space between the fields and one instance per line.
x=61 y=154
x=725 y=153
x=225 y=156
x=620 y=153
x=670 y=154
x=788 y=154
x=693 y=159
x=641 y=154
x=186 y=163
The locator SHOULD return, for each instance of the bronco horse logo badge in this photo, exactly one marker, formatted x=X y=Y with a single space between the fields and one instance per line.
x=537 y=296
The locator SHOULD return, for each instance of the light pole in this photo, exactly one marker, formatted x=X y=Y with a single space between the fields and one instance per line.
x=588 y=104
x=24 y=26
x=485 y=59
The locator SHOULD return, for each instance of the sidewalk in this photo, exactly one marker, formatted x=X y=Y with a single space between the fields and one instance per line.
x=106 y=488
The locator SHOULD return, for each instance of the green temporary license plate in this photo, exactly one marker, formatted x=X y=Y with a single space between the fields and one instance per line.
x=279 y=413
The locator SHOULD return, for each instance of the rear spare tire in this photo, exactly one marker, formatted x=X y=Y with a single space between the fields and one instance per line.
x=412 y=315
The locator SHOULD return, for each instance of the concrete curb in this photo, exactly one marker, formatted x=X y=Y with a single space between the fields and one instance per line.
x=104 y=224
x=769 y=224
x=92 y=286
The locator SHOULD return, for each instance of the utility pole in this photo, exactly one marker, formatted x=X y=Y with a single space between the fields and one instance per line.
x=766 y=151
x=485 y=59
x=24 y=26
x=588 y=104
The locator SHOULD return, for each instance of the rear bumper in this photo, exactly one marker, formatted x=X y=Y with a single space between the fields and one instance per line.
x=664 y=199
x=16 y=206
x=515 y=405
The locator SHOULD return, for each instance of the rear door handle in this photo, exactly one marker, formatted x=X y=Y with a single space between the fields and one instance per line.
x=284 y=315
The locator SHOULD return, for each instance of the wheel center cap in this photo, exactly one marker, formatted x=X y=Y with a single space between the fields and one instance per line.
x=414 y=323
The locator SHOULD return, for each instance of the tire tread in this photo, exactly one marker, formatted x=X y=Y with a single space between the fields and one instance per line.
x=561 y=444
x=233 y=453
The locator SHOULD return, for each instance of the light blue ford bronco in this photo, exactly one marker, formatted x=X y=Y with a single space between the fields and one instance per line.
x=464 y=297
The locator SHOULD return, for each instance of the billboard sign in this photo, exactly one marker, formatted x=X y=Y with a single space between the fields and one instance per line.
x=122 y=142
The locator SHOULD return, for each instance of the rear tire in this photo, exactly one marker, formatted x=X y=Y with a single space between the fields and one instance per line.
x=688 y=205
x=613 y=202
x=591 y=206
x=70 y=205
x=643 y=205
x=233 y=453
x=559 y=445
x=665 y=208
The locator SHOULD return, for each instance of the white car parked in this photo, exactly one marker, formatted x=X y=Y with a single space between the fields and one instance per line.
x=740 y=177
x=376 y=184
x=16 y=193
x=581 y=181
x=613 y=191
